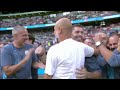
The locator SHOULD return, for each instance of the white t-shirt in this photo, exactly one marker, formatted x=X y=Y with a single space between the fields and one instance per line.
x=64 y=57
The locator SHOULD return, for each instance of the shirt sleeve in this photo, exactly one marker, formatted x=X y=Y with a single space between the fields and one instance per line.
x=101 y=61
x=6 y=57
x=114 y=60
x=51 y=62
x=91 y=64
x=116 y=52
x=89 y=51
x=34 y=58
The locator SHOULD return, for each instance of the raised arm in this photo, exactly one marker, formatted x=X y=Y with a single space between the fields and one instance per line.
x=12 y=69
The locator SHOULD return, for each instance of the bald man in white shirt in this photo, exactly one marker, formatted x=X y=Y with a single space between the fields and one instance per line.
x=65 y=57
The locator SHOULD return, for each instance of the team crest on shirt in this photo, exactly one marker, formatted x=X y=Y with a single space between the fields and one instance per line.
x=26 y=52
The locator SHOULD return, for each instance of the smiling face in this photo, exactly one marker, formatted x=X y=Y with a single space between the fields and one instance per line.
x=78 y=34
x=113 y=42
x=21 y=36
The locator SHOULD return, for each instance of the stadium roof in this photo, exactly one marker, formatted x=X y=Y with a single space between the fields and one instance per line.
x=27 y=14
x=23 y=13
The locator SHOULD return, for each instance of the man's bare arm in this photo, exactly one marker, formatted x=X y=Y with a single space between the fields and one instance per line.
x=9 y=70
x=107 y=54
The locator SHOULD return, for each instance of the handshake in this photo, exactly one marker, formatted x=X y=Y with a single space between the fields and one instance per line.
x=39 y=51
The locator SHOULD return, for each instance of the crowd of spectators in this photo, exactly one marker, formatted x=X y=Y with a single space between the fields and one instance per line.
x=46 y=38
x=52 y=18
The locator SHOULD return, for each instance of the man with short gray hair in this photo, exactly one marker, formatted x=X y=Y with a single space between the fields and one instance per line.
x=17 y=56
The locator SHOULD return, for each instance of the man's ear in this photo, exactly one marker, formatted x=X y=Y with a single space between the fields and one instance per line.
x=60 y=30
x=15 y=35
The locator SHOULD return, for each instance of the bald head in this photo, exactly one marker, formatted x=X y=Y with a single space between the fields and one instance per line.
x=65 y=24
x=63 y=29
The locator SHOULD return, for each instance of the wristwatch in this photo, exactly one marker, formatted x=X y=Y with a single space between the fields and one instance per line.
x=98 y=43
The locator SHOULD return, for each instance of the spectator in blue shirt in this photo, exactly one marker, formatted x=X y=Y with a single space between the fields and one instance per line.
x=18 y=57
x=111 y=58
x=91 y=70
